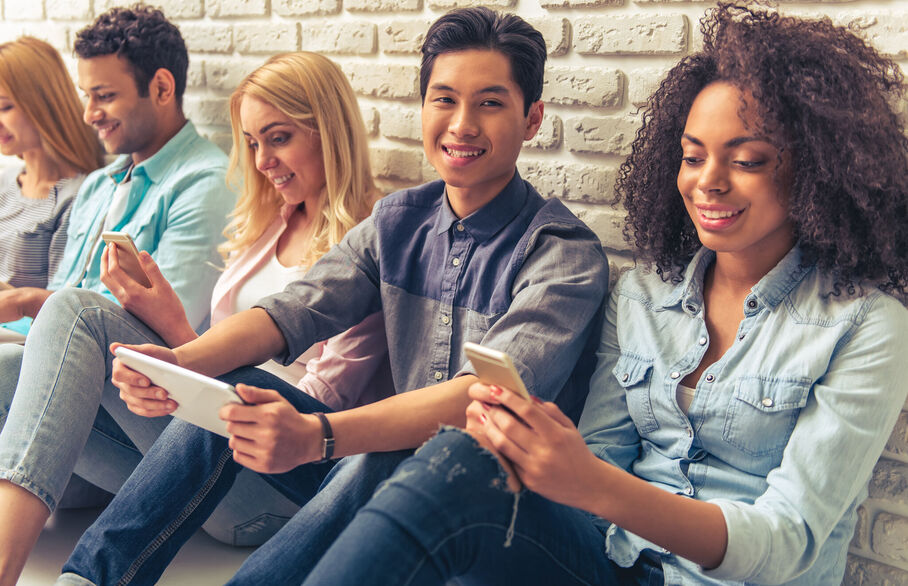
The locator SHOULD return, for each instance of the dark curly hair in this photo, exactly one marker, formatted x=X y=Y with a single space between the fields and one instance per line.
x=479 y=27
x=831 y=97
x=144 y=37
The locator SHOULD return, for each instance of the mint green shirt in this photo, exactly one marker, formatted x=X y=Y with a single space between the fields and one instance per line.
x=176 y=209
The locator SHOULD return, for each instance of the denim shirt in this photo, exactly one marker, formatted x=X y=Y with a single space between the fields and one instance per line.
x=176 y=210
x=784 y=430
x=521 y=274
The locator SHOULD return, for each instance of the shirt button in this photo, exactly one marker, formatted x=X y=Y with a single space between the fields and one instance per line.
x=675 y=374
x=710 y=378
x=625 y=378
x=445 y=319
x=702 y=341
x=752 y=303
x=688 y=491
x=767 y=402
x=460 y=227
x=438 y=375
x=691 y=308
x=455 y=262
x=741 y=337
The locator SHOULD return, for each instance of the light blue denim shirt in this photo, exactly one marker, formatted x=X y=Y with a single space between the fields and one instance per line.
x=176 y=210
x=784 y=430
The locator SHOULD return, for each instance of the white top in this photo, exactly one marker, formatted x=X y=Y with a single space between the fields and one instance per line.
x=685 y=396
x=272 y=277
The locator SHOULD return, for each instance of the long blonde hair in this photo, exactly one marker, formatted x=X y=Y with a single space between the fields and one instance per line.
x=312 y=91
x=33 y=76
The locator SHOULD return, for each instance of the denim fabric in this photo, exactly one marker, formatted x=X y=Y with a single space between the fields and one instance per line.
x=784 y=429
x=163 y=503
x=447 y=516
x=65 y=416
x=176 y=209
x=498 y=277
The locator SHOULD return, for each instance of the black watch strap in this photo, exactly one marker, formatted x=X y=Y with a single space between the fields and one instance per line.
x=328 y=438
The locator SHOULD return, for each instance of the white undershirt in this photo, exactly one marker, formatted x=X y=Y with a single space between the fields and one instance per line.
x=271 y=277
x=685 y=396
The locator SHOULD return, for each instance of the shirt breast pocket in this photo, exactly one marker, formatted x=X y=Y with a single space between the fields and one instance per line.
x=634 y=374
x=763 y=413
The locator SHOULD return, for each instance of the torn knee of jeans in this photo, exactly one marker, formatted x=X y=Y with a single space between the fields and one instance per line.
x=500 y=481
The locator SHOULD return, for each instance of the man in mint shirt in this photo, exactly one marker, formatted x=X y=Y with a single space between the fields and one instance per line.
x=167 y=190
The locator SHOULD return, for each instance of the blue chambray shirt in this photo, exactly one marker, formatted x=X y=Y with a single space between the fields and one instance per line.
x=784 y=430
x=521 y=274
x=176 y=210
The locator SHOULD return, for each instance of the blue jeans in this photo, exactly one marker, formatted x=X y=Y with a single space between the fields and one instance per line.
x=184 y=476
x=60 y=414
x=447 y=515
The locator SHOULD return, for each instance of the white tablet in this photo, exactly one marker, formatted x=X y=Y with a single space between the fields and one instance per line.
x=198 y=397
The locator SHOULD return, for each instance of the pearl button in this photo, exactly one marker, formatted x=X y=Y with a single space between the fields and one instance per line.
x=675 y=374
x=625 y=378
x=455 y=262
x=688 y=491
x=702 y=341
x=710 y=378
x=752 y=303
x=438 y=375
x=445 y=319
x=767 y=402
x=460 y=227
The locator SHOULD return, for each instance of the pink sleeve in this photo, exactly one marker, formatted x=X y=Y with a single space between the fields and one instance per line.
x=353 y=368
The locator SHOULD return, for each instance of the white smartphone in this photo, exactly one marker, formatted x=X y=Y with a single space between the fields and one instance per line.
x=494 y=367
x=128 y=257
x=198 y=397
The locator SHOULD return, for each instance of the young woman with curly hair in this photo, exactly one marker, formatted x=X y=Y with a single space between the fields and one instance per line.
x=751 y=368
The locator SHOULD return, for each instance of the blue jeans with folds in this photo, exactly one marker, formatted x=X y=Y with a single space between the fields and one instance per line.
x=183 y=477
x=61 y=414
x=447 y=515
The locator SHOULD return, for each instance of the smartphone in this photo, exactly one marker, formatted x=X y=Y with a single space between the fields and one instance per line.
x=128 y=256
x=494 y=367
x=198 y=397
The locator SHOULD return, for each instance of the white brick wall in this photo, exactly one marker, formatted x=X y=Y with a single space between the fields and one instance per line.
x=605 y=57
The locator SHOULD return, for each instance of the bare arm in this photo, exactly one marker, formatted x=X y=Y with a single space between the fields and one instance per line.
x=21 y=302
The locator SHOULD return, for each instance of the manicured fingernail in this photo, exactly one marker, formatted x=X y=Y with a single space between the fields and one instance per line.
x=536 y=399
x=494 y=390
x=483 y=418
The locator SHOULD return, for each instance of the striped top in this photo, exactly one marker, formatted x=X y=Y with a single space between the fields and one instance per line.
x=33 y=230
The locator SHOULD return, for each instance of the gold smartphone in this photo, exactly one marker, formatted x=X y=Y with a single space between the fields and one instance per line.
x=128 y=256
x=494 y=367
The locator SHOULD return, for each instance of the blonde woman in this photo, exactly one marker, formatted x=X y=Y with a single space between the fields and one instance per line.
x=299 y=148
x=40 y=123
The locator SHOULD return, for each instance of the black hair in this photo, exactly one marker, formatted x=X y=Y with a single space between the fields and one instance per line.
x=830 y=97
x=482 y=28
x=144 y=37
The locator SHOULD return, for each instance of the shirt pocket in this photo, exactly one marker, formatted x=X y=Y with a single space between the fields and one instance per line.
x=763 y=413
x=634 y=374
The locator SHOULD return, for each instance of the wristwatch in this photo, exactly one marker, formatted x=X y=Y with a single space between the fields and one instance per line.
x=328 y=438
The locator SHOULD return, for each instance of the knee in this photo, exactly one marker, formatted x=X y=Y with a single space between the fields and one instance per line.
x=68 y=303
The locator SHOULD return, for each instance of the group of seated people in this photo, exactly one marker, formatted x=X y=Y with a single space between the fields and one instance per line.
x=714 y=419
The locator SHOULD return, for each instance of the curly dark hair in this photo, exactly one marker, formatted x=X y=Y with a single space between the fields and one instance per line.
x=831 y=97
x=144 y=37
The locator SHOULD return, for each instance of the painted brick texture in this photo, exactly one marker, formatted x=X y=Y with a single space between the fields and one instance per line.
x=605 y=58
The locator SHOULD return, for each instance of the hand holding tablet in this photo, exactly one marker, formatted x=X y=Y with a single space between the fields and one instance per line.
x=198 y=397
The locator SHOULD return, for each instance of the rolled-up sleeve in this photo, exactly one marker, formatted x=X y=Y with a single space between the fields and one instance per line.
x=338 y=292
x=839 y=435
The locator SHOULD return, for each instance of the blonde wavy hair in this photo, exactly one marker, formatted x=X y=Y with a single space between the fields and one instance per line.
x=312 y=91
x=33 y=76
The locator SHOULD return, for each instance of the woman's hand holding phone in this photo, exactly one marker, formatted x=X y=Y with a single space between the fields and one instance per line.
x=157 y=305
x=547 y=453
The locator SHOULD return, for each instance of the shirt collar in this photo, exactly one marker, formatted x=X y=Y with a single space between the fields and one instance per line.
x=155 y=166
x=770 y=290
x=490 y=218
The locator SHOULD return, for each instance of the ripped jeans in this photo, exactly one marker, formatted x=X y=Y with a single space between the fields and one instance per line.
x=446 y=515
